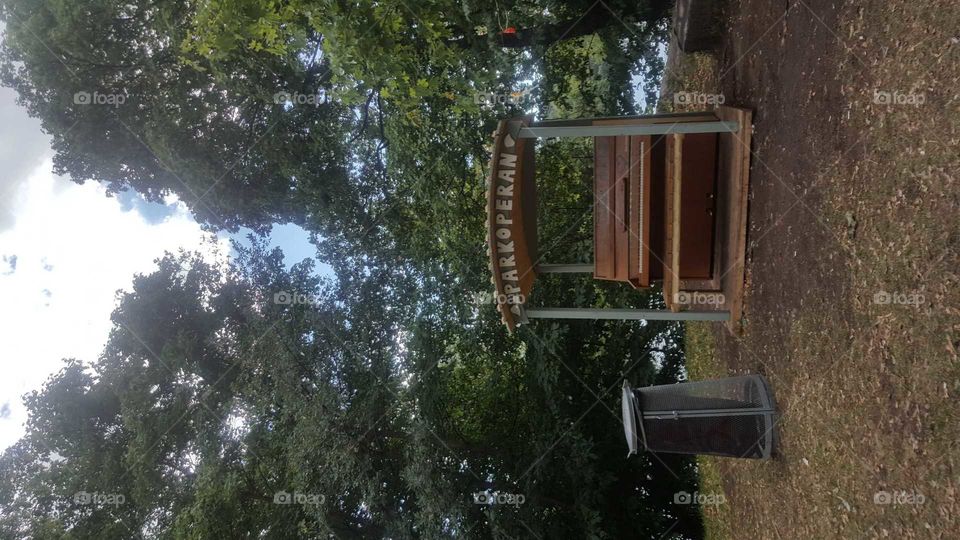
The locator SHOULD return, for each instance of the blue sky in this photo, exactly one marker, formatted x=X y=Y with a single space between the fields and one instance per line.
x=66 y=249
x=293 y=240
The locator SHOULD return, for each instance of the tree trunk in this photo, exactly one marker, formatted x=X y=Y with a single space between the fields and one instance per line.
x=598 y=17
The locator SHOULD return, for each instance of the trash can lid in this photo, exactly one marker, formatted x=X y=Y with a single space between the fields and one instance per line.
x=629 y=418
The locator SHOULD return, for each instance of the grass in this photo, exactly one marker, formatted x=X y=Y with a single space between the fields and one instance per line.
x=701 y=363
x=895 y=214
x=692 y=73
x=701 y=360
x=867 y=387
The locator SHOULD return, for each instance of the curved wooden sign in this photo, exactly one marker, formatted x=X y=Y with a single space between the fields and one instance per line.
x=511 y=220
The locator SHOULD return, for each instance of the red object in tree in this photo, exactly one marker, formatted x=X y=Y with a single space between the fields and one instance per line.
x=509 y=30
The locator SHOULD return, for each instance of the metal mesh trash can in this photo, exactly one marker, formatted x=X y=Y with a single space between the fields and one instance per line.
x=731 y=417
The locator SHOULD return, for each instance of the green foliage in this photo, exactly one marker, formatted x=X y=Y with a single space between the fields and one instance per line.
x=126 y=108
x=254 y=112
x=211 y=398
x=394 y=395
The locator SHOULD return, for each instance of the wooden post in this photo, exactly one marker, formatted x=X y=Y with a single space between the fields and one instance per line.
x=533 y=132
x=621 y=314
x=578 y=268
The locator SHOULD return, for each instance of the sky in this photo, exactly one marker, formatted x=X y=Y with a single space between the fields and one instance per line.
x=66 y=249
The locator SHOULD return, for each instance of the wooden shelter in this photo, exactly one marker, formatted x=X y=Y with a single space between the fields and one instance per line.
x=670 y=204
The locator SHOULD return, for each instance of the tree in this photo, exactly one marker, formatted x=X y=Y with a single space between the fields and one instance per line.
x=251 y=401
x=392 y=392
x=407 y=53
x=209 y=399
x=126 y=108
x=582 y=19
x=255 y=112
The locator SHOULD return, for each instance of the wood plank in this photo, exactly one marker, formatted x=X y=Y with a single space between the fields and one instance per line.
x=594 y=130
x=510 y=197
x=657 y=206
x=640 y=183
x=676 y=217
x=735 y=181
x=671 y=274
x=646 y=219
x=603 y=242
x=702 y=117
x=668 y=275
x=635 y=230
x=621 y=210
x=624 y=314
x=698 y=199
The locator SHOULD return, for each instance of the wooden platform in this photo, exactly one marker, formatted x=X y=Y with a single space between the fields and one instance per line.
x=733 y=180
x=674 y=208
x=670 y=205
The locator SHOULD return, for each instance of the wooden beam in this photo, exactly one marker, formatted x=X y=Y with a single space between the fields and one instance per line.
x=628 y=129
x=675 y=225
x=578 y=268
x=703 y=116
x=735 y=176
x=621 y=314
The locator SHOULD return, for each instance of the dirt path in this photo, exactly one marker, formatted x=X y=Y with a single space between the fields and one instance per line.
x=779 y=62
x=854 y=245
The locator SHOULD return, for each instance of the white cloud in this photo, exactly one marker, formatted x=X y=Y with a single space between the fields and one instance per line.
x=75 y=247
x=23 y=146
